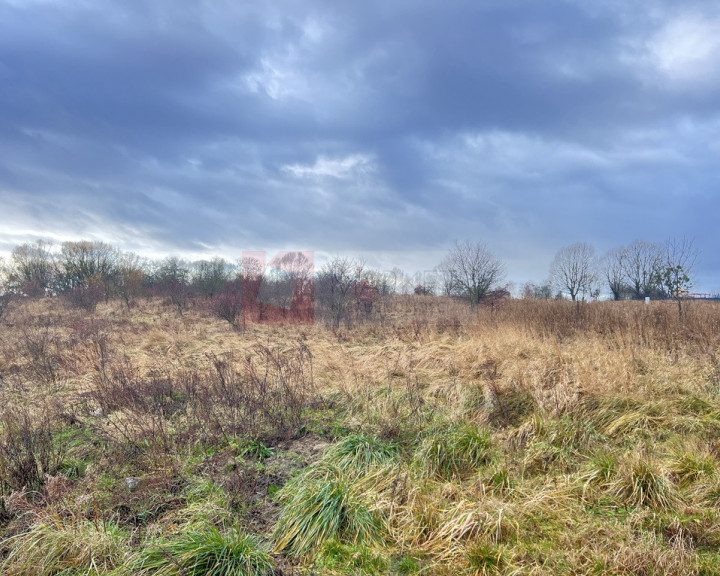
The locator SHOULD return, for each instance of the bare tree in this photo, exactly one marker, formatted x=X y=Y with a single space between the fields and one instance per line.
x=4 y=293
x=335 y=286
x=532 y=291
x=87 y=263
x=33 y=270
x=445 y=279
x=171 y=279
x=346 y=290
x=3 y=275
x=679 y=258
x=574 y=270
x=612 y=267
x=396 y=280
x=288 y=278
x=130 y=277
x=471 y=271
x=210 y=276
x=642 y=263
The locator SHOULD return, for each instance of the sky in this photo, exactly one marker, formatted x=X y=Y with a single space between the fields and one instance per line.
x=381 y=129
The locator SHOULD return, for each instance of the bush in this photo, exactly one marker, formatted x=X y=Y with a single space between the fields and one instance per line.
x=266 y=398
x=262 y=399
x=228 y=304
x=27 y=450
x=86 y=297
x=41 y=347
x=4 y=304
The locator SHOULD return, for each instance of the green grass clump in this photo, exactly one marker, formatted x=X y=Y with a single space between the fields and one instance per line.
x=252 y=448
x=324 y=504
x=600 y=472
x=618 y=417
x=73 y=468
x=407 y=564
x=58 y=545
x=358 y=453
x=500 y=481
x=207 y=552
x=692 y=466
x=340 y=558
x=642 y=483
x=485 y=559
x=453 y=451
x=207 y=503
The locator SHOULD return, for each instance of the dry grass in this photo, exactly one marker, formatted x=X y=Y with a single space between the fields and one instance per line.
x=528 y=437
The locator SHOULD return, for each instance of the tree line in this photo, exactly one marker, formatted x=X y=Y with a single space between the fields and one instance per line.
x=287 y=288
x=636 y=271
x=88 y=272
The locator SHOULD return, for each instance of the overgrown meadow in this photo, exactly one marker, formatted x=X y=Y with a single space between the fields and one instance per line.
x=523 y=437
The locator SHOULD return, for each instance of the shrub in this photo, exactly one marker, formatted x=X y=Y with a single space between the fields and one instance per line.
x=86 y=297
x=228 y=304
x=266 y=398
x=4 y=303
x=41 y=347
x=262 y=399
x=27 y=451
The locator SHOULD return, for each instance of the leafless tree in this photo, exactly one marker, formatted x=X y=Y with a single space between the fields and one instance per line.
x=130 y=278
x=574 y=270
x=678 y=263
x=4 y=292
x=33 y=269
x=396 y=280
x=642 y=263
x=471 y=271
x=84 y=263
x=289 y=276
x=445 y=279
x=532 y=291
x=612 y=267
x=344 y=287
x=171 y=279
x=210 y=276
x=252 y=267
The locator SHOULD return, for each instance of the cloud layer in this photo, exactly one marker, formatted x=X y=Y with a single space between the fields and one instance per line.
x=383 y=128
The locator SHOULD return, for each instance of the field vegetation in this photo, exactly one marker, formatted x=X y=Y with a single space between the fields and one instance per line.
x=428 y=437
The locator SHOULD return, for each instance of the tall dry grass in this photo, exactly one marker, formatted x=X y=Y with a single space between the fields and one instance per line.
x=538 y=437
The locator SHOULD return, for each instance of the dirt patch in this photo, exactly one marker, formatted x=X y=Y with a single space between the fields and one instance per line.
x=310 y=447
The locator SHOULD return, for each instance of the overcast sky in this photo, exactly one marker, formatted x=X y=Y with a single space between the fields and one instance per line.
x=385 y=129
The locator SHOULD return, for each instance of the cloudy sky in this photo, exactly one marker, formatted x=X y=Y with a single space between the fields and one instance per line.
x=379 y=128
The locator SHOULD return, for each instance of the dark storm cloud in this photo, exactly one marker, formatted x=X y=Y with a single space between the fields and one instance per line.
x=372 y=126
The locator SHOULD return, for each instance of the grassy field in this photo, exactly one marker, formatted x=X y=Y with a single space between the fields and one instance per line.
x=527 y=437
